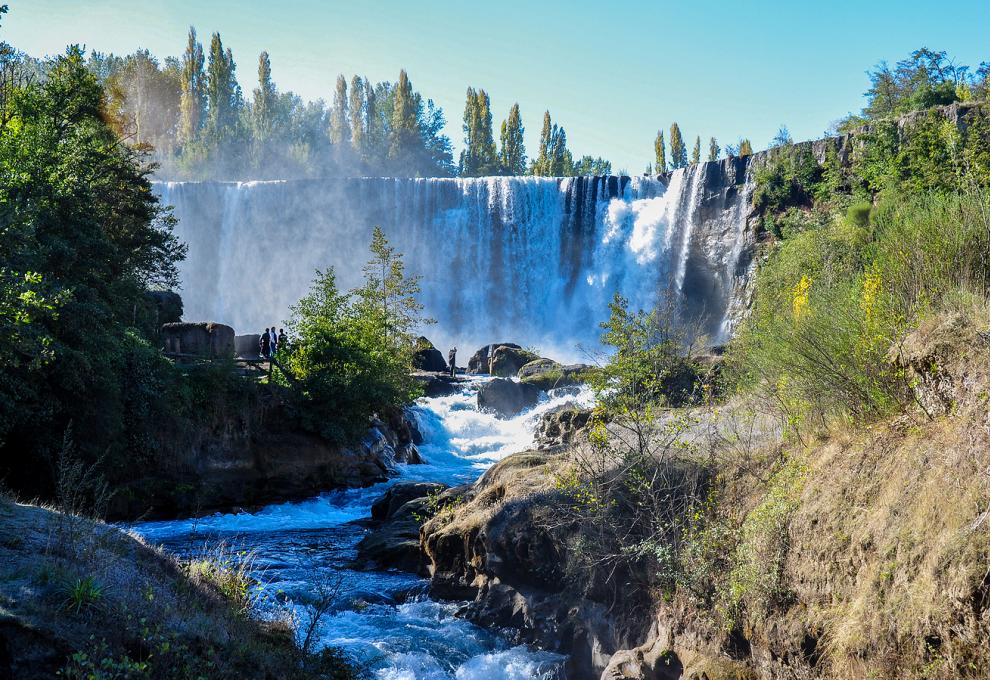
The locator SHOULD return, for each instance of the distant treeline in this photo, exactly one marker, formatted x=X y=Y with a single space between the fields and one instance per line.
x=191 y=114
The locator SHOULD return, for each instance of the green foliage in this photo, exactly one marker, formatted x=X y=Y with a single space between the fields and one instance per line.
x=789 y=179
x=479 y=157
x=81 y=594
x=713 y=150
x=678 y=150
x=352 y=352
x=660 y=166
x=512 y=155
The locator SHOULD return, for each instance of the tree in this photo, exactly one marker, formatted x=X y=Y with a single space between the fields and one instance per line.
x=588 y=166
x=144 y=101
x=745 y=148
x=340 y=127
x=84 y=238
x=782 y=138
x=678 y=151
x=696 y=151
x=356 y=108
x=541 y=166
x=512 y=156
x=713 y=150
x=661 y=154
x=405 y=128
x=479 y=156
x=193 y=89
x=561 y=160
x=223 y=94
x=265 y=101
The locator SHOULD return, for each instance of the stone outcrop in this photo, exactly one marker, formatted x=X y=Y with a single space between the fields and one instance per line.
x=205 y=339
x=257 y=455
x=439 y=384
x=507 y=398
x=247 y=346
x=428 y=358
x=480 y=360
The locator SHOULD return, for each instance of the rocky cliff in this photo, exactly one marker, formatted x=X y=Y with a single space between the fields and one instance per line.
x=860 y=555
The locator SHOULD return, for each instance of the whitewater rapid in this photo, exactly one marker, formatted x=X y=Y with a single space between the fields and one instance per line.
x=383 y=620
x=532 y=260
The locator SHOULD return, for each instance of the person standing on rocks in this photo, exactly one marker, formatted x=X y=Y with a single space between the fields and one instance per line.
x=283 y=339
x=273 y=341
x=265 y=344
x=452 y=361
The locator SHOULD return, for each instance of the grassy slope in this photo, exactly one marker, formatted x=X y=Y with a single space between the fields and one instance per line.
x=83 y=597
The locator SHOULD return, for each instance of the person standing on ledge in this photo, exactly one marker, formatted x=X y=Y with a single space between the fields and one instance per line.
x=264 y=343
x=272 y=341
x=283 y=339
x=452 y=361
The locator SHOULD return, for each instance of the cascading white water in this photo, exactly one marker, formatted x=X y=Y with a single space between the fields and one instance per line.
x=525 y=259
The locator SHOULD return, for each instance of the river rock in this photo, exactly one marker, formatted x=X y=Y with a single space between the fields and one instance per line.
x=388 y=504
x=507 y=398
x=506 y=361
x=478 y=363
x=394 y=542
x=547 y=374
x=428 y=358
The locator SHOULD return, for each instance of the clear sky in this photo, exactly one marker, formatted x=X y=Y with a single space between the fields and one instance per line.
x=610 y=73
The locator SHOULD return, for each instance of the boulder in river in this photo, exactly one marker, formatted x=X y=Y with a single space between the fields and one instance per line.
x=547 y=374
x=479 y=361
x=394 y=542
x=428 y=358
x=506 y=361
x=507 y=398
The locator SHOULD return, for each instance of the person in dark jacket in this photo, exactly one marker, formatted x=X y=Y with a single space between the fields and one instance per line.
x=265 y=344
x=452 y=361
x=283 y=339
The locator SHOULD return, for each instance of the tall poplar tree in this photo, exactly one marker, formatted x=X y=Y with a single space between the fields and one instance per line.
x=661 y=154
x=193 y=98
x=479 y=156
x=713 y=150
x=356 y=110
x=265 y=101
x=745 y=148
x=373 y=140
x=678 y=151
x=223 y=94
x=541 y=166
x=405 y=126
x=696 y=151
x=340 y=127
x=512 y=157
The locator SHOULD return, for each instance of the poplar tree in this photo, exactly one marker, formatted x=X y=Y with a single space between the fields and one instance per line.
x=479 y=156
x=356 y=109
x=745 y=148
x=513 y=154
x=265 y=100
x=541 y=166
x=340 y=128
x=661 y=154
x=223 y=94
x=713 y=150
x=678 y=151
x=193 y=97
x=696 y=151
x=561 y=161
x=372 y=140
x=405 y=128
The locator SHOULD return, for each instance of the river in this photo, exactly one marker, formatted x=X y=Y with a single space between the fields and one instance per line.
x=384 y=620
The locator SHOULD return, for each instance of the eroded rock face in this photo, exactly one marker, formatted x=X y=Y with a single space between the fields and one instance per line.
x=506 y=361
x=503 y=549
x=561 y=426
x=206 y=339
x=507 y=398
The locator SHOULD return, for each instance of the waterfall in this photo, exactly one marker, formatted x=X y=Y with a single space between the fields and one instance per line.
x=526 y=259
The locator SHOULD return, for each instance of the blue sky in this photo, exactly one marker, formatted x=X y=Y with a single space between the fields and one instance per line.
x=610 y=73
